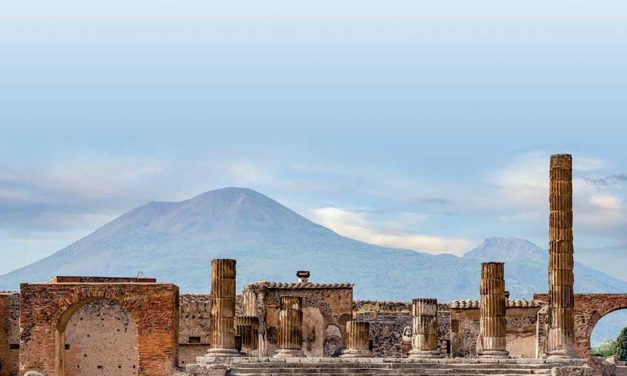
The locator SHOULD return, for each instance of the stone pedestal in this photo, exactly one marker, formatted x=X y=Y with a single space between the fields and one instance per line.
x=247 y=328
x=424 y=339
x=493 y=322
x=290 y=339
x=560 y=338
x=357 y=340
x=222 y=328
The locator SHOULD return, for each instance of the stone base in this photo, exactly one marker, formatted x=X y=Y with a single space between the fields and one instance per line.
x=494 y=354
x=559 y=356
x=425 y=354
x=356 y=354
x=289 y=353
x=223 y=353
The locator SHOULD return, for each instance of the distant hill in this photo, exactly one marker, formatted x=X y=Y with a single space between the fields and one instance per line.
x=175 y=241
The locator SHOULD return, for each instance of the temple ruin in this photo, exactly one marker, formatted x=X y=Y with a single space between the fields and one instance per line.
x=136 y=326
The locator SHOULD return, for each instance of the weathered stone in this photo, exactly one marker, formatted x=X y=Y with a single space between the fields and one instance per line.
x=493 y=321
x=561 y=332
x=247 y=328
x=424 y=329
x=357 y=340
x=290 y=338
x=223 y=298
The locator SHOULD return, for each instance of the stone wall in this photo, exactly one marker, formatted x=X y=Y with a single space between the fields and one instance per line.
x=194 y=323
x=326 y=309
x=48 y=308
x=101 y=339
x=390 y=326
x=9 y=333
x=521 y=328
x=588 y=310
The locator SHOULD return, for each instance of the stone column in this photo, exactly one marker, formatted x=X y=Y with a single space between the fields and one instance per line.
x=493 y=323
x=357 y=340
x=247 y=328
x=222 y=327
x=290 y=339
x=560 y=339
x=424 y=339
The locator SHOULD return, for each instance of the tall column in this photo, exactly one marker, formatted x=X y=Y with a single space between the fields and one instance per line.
x=561 y=299
x=290 y=339
x=247 y=327
x=424 y=339
x=493 y=322
x=357 y=340
x=222 y=326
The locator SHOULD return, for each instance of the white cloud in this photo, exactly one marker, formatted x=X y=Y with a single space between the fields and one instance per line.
x=354 y=225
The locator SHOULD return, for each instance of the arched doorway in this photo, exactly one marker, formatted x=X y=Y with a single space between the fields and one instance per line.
x=605 y=332
x=100 y=338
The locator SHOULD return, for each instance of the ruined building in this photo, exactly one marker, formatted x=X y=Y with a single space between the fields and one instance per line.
x=74 y=326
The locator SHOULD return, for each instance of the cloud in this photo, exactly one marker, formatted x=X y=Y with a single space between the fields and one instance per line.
x=354 y=225
x=608 y=180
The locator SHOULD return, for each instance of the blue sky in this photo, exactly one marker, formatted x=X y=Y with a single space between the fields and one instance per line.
x=422 y=124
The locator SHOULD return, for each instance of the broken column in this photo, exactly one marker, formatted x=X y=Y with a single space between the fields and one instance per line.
x=247 y=328
x=493 y=322
x=222 y=326
x=560 y=337
x=290 y=340
x=357 y=340
x=424 y=339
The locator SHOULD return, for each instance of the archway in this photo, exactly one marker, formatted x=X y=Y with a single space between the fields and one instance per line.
x=605 y=332
x=100 y=338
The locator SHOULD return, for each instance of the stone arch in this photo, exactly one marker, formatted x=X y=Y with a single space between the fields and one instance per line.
x=125 y=338
x=588 y=310
x=47 y=309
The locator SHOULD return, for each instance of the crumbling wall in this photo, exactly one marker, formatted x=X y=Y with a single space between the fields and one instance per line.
x=390 y=326
x=521 y=328
x=9 y=333
x=326 y=309
x=194 y=323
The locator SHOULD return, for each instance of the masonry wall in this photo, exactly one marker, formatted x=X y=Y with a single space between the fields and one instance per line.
x=390 y=326
x=326 y=309
x=101 y=339
x=194 y=323
x=46 y=307
x=521 y=330
x=9 y=333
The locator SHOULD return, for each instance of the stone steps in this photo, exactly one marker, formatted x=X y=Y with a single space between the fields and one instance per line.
x=382 y=369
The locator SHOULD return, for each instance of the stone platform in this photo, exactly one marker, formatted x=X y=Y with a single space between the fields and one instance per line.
x=389 y=366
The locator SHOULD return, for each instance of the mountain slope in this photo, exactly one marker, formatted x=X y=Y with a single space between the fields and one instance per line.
x=175 y=241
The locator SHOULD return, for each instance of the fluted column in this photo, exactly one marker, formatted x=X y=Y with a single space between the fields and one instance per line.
x=247 y=328
x=290 y=339
x=222 y=327
x=424 y=338
x=493 y=322
x=357 y=340
x=561 y=334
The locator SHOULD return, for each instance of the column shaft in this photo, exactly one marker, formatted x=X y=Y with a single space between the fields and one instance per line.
x=290 y=338
x=493 y=322
x=561 y=333
x=222 y=326
x=357 y=340
x=424 y=338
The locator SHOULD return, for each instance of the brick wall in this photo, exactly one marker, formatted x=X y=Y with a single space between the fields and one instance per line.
x=47 y=307
x=9 y=333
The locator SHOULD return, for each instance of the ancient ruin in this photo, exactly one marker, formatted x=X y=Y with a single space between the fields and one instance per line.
x=136 y=326
x=493 y=322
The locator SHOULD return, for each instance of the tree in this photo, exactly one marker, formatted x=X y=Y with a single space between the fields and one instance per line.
x=621 y=345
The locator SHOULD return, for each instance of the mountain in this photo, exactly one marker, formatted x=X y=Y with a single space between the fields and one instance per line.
x=175 y=242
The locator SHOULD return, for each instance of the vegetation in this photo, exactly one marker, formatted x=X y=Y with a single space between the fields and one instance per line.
x=621 y=345
x=606 y=349
x=613 y=347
